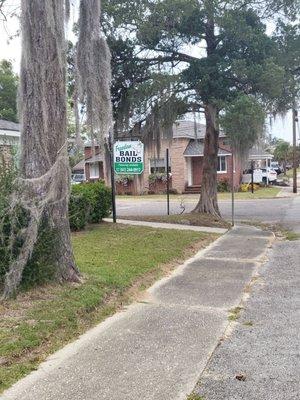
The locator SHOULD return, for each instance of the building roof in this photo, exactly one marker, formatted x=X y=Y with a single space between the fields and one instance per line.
x=190 y=130
x=96 y=158
x=258 y=152
x=9 y=132
x=9 y=126
x=196 y=148
x=79 y=166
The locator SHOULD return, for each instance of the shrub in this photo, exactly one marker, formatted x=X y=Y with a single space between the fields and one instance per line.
x=247 y=187
x=78 y=212
x=223 y=185
x=124 y=180
x=163 y=177
x=90 y=202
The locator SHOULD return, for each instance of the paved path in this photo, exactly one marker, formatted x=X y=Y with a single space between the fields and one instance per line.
x=156 y=349
x=161 y=225
x=265 y=346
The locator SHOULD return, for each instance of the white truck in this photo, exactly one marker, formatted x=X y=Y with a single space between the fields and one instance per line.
x=260 y=175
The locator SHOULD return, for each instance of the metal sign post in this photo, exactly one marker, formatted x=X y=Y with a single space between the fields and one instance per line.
x=112 y=177
x=252 y=177
x=295 y=120
x=168 y=182
x=232 y=192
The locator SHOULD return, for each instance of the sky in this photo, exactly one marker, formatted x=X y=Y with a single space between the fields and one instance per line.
x=10 y=49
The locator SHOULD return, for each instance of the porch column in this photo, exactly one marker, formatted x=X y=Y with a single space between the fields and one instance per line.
x=189 y=171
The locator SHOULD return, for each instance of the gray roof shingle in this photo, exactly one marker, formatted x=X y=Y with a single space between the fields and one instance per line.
x=196 y=148
x=187 y=129
x=9 y=126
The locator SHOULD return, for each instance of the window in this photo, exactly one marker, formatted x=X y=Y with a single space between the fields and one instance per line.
x=222 y=164
x=158 y=166
x=94 y=170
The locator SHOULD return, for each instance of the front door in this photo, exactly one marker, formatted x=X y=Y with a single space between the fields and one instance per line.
x=197 y=169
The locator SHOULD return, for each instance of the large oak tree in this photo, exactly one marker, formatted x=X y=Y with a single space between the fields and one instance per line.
x=220 y=51
x=38 y=209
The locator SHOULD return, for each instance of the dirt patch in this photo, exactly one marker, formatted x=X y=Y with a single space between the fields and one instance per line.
x=184 y=219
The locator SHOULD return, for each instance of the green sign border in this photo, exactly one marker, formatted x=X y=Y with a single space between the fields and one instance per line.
x=129 y=168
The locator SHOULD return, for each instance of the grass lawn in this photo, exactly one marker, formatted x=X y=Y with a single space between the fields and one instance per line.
x=183 y=219
x=117 y=263
x=263 y=193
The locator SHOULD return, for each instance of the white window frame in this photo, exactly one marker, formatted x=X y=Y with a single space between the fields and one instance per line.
x=225 y=170
x=91 y=170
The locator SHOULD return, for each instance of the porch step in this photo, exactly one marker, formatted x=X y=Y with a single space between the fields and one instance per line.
x=194 y=189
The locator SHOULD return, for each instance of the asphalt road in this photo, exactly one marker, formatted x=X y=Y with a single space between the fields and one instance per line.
x=265 y=210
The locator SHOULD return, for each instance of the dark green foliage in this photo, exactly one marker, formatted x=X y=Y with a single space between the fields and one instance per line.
x=78 y=212
x=243 y=123
x=223 y=185
x=89 y=203
x=283 y=153
x=41 y=268
x=287 y=38
x=10 y=238
x=8 y=92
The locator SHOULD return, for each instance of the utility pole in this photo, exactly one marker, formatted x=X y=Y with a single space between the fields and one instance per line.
x=232 y=189
x=295 y=120
x=168 y=181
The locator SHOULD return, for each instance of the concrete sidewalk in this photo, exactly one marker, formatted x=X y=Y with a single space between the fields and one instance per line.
x=155 y=349
x=163 y=225
x=264 y=348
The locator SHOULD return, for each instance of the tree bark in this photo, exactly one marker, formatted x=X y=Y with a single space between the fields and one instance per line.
x=44 y=167
x=208 y=202
x=44 y=115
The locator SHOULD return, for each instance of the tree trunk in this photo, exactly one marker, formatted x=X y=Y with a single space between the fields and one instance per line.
x=208 y=202
x=44 y=163
x=44 y=114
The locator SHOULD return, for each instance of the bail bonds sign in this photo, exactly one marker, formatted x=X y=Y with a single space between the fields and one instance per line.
x=129 y=158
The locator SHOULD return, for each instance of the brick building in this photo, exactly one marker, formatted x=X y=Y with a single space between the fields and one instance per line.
x=186 y=148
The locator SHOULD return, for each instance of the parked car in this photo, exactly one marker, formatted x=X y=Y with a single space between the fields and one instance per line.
x=270 y=175
x=77 y=178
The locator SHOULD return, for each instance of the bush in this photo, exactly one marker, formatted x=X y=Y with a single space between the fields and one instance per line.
x=247 y=187
x=89 y=203
x=223 y=186
x=78 y=212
